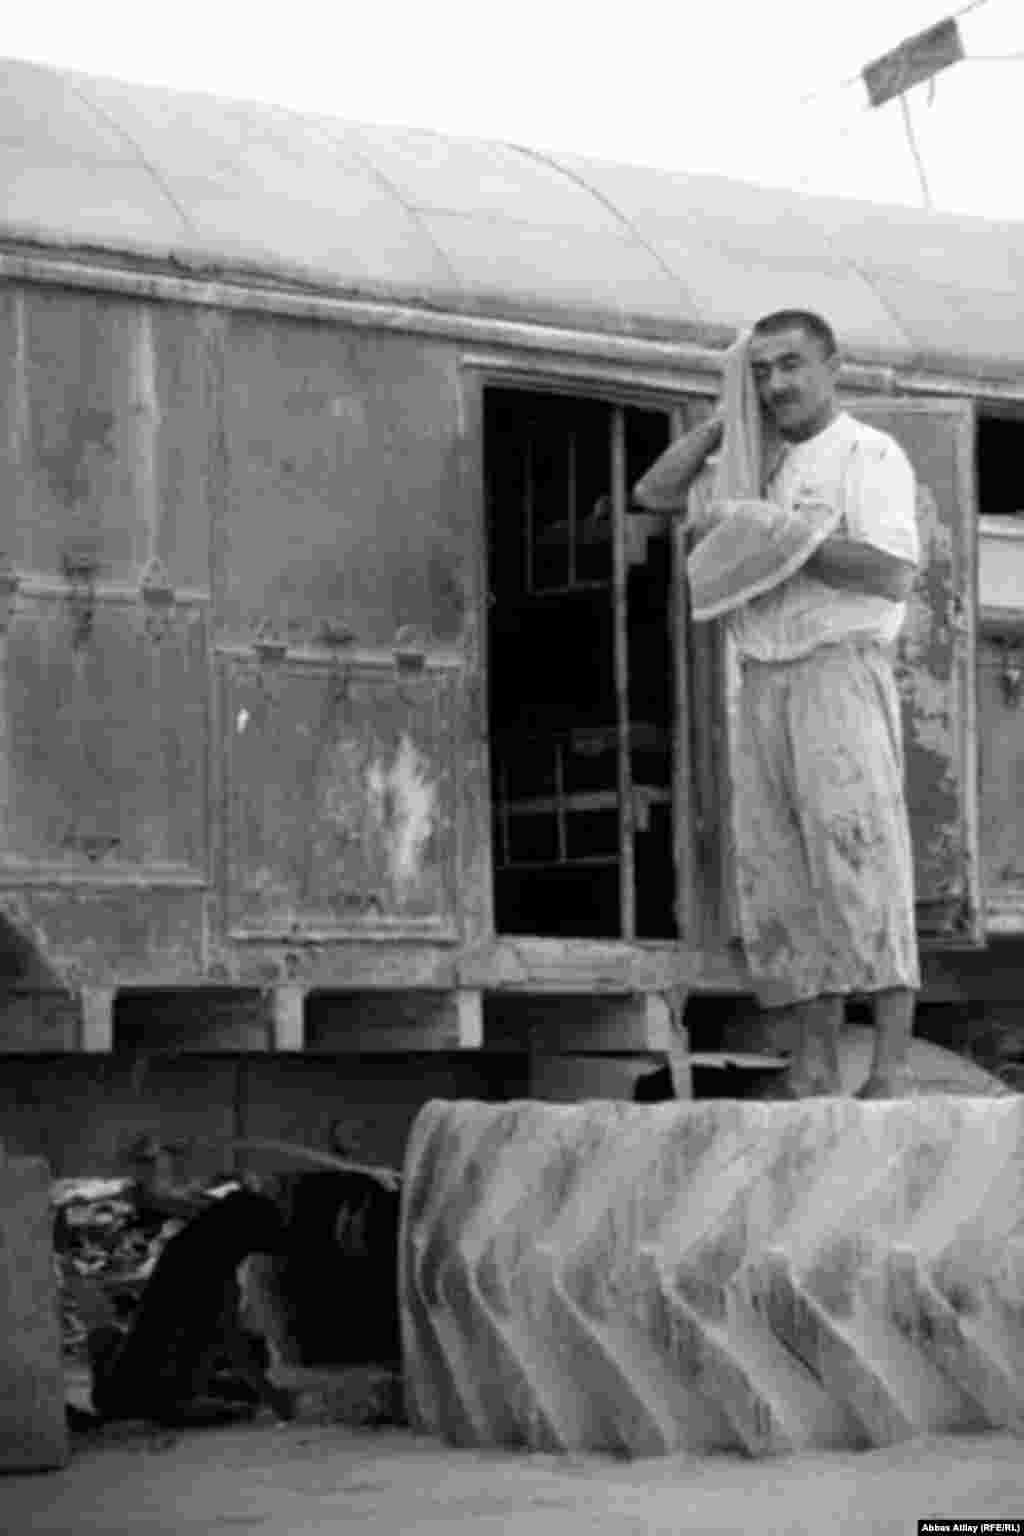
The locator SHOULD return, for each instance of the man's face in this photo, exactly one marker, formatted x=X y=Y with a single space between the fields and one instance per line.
x=796 y=382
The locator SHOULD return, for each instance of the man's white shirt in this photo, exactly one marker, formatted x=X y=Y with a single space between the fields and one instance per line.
x=865 y=475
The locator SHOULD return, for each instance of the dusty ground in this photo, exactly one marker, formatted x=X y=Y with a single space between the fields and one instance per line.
x=304 y=1480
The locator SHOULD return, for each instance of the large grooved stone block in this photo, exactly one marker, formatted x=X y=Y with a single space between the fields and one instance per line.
x=761 y=1276
x=33 y=1435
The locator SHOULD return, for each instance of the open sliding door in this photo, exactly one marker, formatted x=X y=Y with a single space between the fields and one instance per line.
x=935 y=665
x=936 y=674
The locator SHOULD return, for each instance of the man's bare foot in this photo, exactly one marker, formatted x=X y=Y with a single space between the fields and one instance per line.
x=897 y=1083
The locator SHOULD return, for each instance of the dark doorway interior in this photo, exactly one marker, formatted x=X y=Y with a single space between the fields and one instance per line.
x=1000 y=448
x=581 y=681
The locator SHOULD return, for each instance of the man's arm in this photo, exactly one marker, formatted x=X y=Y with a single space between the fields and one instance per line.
x=665 y=486
x=878 y=554
x=857 y=567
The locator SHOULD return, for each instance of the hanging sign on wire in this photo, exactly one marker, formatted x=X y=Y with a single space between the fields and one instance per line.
x=915 y=60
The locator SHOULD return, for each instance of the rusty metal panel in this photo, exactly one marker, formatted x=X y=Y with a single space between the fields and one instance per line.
x=113 y=933
x=349 y=503
x=103 y=714
x=1001 y=727
x=107 y=408
x=935 y=665
x=342 y=790
x=77 y=476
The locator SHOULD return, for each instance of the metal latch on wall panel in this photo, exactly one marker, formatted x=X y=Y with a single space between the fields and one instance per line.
x=9 y=584
x=410 y=649
x=157 y=597
x=80 y=566
x=268 y=643
x=94 y=845
x=1011 y=674
x=334 y=633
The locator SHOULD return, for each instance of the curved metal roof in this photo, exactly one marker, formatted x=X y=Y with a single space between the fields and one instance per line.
x=489 y=228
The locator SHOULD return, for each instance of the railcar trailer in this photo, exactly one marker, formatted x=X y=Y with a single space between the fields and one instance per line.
x=356 y=746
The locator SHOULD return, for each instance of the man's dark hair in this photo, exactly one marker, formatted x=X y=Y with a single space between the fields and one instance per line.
x=806 y=320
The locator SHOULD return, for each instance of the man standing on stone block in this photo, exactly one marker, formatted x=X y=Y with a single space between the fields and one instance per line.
x=823 y=855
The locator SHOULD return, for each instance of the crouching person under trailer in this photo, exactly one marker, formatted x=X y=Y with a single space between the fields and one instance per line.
x=324 y=1294
x=823 y=854
x=187 y=1325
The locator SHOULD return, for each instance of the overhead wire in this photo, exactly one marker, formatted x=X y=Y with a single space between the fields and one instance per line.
x=842 y=85
x=908 y=125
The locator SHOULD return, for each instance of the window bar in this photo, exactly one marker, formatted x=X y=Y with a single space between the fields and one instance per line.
x=528 y=514
x=505 y=853
x=560 y=806
x=620 y=594
x=571 y=477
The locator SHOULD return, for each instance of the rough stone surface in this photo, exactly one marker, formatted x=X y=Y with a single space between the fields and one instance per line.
x=32 y=1429
x=717 y=1275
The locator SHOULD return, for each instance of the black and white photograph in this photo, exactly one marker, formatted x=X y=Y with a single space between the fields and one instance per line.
x=512 y=769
